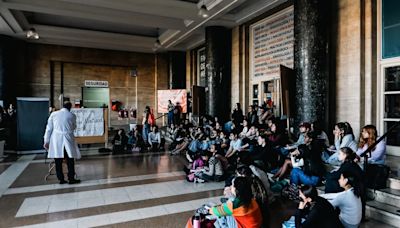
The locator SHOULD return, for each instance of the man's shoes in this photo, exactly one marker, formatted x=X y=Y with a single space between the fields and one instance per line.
x=63 y=182
x=74 y=181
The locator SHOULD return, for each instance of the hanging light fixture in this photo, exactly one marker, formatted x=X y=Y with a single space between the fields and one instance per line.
x=157 y=43
x=203 y=12
x=32 y=34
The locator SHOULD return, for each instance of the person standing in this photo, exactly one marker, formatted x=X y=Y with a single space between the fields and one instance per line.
x=177 y=113
x=60 y=142
x=170 y=113
x=237 y=115
x=146 y=124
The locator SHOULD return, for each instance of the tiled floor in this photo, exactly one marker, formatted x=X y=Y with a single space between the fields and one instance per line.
x=3 y=167
x=141 y=190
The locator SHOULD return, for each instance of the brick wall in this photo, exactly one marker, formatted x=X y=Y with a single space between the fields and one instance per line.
x=81 y=64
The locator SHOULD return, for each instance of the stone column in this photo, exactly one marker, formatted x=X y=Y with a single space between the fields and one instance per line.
x=311 y=26
x=11 y=65
x=218 y=69
x=176 y=70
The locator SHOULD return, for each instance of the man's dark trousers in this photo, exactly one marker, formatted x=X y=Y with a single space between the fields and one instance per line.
x=70 y=164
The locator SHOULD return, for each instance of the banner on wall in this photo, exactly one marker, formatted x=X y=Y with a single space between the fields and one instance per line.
x=89 y=122
x=271 y=44
x=175 y=95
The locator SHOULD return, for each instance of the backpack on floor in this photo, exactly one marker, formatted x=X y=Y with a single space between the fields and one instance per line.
x=377 y=175
x=291 y=192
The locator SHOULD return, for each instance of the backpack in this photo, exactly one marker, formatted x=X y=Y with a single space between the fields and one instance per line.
x=151 y=120
x=291 y=192
x=377 y=175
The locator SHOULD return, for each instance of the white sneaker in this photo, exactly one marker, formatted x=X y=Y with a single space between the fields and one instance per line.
x=198 y=180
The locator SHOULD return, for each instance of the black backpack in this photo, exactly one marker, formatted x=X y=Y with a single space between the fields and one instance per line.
x=377 y=175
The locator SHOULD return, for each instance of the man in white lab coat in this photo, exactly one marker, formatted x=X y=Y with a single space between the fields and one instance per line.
x=60 y=142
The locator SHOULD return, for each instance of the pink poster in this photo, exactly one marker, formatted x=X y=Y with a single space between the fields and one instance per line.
x=175 y=95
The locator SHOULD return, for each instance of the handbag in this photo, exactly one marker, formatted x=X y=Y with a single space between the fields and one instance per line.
x=377 y=175
x=291 y=192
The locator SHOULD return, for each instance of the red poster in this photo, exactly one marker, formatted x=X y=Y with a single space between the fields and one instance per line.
x=175 y=95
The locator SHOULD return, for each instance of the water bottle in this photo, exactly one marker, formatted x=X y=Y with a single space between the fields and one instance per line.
x=196 y=221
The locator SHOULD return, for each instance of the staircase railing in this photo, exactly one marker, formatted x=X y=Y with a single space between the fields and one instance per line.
x=367 y=152
x=162 y=116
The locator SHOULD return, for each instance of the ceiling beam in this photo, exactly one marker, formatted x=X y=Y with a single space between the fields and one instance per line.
x=5 y=27
x=217 y=11
x=165 y=8
x=67 y=42
x=54 y=7
x=9 y=19
x=256 y=9
x=92 y=36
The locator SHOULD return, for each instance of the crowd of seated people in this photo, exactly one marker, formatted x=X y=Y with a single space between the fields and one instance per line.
x=256 y=155
x=134 y=141
x=257 y=149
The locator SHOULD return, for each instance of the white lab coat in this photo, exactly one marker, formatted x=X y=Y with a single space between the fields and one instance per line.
x=60 y=134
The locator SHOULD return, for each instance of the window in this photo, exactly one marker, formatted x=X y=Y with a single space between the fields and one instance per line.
x=391 y=109
x=390 y=28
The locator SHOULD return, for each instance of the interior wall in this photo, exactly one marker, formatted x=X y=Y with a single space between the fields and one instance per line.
x=81 y=64
x=353 y=62
x=356 y=63
x=236 y=73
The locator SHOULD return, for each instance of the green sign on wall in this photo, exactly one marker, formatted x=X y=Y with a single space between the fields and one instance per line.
x=95 y=97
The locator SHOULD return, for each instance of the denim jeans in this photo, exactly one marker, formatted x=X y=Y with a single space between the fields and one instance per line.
x=347 y=225
x=297 y=176
x=210 y=178
x=145 y=132
x=225 y=222
x=283 y=151
x=170 y=118
x=333 y=159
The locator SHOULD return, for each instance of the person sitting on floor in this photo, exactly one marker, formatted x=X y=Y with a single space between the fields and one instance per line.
x=321 y=135
x=348 y=201
x=235 y=145
x=316 y=211
x=241 y=210
x=303 y=128
x=347 y=157
x=214 y=171
x=154 y=139
x=120 y=141
x=296 y=159
x=312 y=169
x=368 y=136
x=195 y=167
x=344 y=137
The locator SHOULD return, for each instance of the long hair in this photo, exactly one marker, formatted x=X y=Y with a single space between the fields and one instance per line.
x=346 y=128
x=350 y=155
x=243 y=190
x=257 y=187
x=353 y=182
x=373 y=134
x=309 y=192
